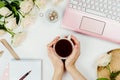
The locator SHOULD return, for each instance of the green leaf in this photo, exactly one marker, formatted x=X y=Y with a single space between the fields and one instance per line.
x=16 y=4
x=8 y=5
x=2 y=4
x=13 y=6
x=2 y=27
x=102 y=79
x=113 y=75
x=17 y=18
x=16 y=14
x=10 y=32
x=1 y=16
x=1 y=23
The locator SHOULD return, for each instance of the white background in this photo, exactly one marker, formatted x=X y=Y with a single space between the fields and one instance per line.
x=41 y=32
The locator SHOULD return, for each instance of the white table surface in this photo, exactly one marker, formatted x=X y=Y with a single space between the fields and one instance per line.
x=42 y=32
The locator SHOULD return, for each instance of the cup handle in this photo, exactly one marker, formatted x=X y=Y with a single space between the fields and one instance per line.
x=69 y=37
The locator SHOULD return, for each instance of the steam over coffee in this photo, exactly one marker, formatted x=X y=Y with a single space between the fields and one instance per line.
x=63 y=48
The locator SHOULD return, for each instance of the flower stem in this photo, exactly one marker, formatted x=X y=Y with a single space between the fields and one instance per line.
x=21 y=14
x=108 y=67
x=9 y=31
x=12 y=33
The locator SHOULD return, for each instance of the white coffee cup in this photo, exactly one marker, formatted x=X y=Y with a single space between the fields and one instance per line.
x=68 y=38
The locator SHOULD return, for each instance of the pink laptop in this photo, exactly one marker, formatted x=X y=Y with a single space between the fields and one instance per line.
x=98 y=18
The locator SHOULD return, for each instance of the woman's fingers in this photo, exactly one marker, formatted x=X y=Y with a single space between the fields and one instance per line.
x=76 y=49
x=51 y=51
x=74 y=52
x=53 y=42
x=75 y=40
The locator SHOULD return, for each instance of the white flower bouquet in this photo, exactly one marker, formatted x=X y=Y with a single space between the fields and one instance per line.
x=14 y=13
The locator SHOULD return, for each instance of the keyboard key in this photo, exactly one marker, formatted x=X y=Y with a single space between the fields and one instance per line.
x=70 y=5
x=109 y=2
x=93 y=7
x=101 y=9
x=105 y=1
x=84 y=5
x=74 y=6
x=74 y=1
x=92 y=2
x=118 y=19
x=109 y=16
x=110 y=12
x=88 y=1
x=97 y=8
x=83 y=0
x=88 y=6
x=101 y=5
x=109 y=7
x=79 y=8
x=115 y=13
x=101 y=0
x=83 y=9
x=96 y=3
x=118 y=15
x=80 y=4
x=105 y=6
x=118 y=10
x=106 y=11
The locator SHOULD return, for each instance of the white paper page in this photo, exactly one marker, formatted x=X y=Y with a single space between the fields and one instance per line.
x=18 y=68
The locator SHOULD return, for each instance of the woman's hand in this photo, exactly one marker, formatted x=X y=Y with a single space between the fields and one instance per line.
x=70 y=61
x=56 y=61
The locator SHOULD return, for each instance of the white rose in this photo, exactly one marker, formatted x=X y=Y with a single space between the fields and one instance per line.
x=40 y=3
x=4 y=11
x=10 y=23
x=104 y=60
x=26 y=6
x=28 y=20
x=18 y=38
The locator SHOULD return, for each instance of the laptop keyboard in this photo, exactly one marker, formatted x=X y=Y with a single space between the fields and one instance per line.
x=105 y=8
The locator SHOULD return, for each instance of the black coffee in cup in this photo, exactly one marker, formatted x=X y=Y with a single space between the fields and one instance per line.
x=63 y=48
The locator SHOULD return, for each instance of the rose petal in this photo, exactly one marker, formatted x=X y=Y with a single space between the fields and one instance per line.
x=4 y=11
x=26 y=6
x=10 y=23
x=104 y=60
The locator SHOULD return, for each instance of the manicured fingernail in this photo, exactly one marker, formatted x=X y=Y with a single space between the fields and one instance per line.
x=76 y=46
x=50 y=48
x=57 y=37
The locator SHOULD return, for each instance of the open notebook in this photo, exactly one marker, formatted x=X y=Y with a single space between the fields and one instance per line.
x=25 y=70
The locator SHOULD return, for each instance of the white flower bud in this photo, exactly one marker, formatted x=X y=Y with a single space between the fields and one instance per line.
x=40 y=3
x=26 y=6
x=18 y=38
x=10 y=23
x=4 y=11
x=28 y=20
x=104 y=60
